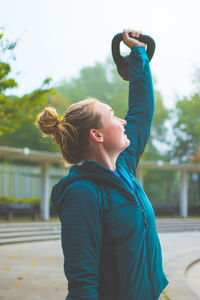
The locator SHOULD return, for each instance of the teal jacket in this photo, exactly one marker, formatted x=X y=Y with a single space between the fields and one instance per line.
x=109 y=238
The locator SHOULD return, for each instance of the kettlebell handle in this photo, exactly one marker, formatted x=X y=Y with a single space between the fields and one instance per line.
x=122 y=62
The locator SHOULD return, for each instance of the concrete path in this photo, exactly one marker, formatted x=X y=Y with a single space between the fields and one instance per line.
x=193 y=277
x=181 y=251
x=34 y=271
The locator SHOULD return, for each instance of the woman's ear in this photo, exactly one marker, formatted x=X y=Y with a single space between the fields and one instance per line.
x=96 y=136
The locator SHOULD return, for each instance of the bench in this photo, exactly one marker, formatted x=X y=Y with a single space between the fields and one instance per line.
x=165 y=209
x=11 y=209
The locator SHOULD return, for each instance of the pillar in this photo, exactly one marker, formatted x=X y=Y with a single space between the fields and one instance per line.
x=44 y=206
x=184 y=195
x=16 y=184
x=4 y=182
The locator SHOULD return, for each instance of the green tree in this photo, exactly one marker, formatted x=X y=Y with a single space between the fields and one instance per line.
x=17 y=111
x=186 y=128
x=91 y=82
x=158 y=131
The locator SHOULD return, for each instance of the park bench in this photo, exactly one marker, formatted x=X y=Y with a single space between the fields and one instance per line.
x=165 y=209
x=10 y=209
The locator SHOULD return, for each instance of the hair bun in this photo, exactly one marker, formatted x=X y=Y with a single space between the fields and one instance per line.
x=48 y=120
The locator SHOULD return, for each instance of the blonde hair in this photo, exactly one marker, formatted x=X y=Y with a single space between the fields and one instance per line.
x=71 y=132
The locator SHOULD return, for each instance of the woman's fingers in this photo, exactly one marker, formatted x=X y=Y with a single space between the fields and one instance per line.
x=129 y=38
x=126 y=35
x=134 y=33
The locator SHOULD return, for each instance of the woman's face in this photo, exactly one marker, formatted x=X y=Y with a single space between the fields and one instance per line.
x=114 y=138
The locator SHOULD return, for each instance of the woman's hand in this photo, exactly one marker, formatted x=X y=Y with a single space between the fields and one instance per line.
x=130 y=41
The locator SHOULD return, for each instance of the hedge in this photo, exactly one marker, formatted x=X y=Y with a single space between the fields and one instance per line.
x=7 y=199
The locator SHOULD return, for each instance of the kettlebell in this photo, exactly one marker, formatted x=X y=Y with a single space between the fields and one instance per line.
x=122 y=61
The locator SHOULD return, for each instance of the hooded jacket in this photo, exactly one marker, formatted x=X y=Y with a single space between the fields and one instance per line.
x=109 y=238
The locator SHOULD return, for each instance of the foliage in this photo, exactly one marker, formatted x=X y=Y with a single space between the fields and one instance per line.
x=6 y=199
x=29 y=136
x=196 y=157
x=187 y=128
x=166 y=181
x=15 y=111
x=158 y=131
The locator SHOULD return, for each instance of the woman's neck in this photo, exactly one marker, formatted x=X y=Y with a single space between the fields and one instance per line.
x=103 y=158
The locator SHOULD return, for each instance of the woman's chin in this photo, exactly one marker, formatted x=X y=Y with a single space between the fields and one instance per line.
x=128 y=141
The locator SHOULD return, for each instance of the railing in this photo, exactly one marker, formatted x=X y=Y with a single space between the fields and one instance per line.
x=23 y=181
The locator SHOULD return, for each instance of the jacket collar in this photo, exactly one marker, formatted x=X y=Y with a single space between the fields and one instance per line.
x=98 y=173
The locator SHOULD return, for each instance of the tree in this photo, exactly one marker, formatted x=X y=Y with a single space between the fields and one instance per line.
x=91 y=82
x=196 y=157
x=17 y=111
x=187 y=128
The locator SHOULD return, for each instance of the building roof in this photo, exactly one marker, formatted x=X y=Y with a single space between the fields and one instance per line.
x=26 y=154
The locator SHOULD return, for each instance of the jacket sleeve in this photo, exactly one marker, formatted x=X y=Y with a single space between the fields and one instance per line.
x=140 y=107
x=81 y=234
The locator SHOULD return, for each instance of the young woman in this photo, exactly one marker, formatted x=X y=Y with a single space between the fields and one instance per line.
x=109 y=238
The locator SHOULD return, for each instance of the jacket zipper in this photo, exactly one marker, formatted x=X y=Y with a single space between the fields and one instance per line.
x=146 y=239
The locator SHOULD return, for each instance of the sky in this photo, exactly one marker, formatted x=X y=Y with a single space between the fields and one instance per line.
x=59 y=37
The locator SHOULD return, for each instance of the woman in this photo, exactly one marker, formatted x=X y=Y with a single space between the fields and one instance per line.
x=109 y=239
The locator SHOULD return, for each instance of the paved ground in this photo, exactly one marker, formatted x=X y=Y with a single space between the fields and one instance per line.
x=34 y=271
x=180 y=251
x=193 y=277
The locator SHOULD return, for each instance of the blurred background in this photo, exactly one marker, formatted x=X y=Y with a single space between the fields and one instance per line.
x=57 y=52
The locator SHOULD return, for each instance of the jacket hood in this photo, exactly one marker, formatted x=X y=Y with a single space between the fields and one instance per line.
x=92 y=171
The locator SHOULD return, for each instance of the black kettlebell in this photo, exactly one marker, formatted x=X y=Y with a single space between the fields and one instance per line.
x=122 y=61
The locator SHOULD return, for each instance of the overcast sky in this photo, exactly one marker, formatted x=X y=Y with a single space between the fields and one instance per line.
x=59 y=37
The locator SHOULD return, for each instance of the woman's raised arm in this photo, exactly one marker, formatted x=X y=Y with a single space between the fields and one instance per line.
x=141 y=101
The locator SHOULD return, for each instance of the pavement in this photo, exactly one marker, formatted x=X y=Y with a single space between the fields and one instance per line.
x=181 y=256
x=34 y=270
